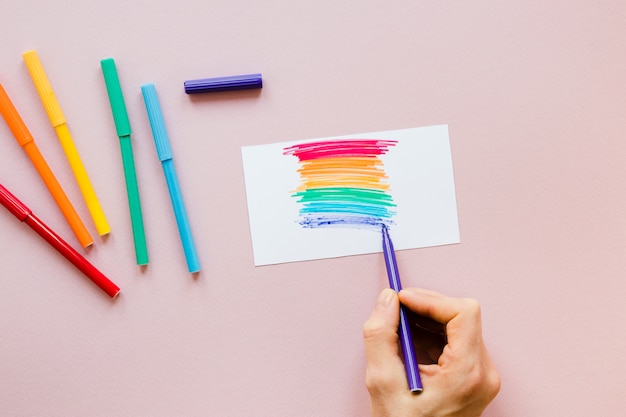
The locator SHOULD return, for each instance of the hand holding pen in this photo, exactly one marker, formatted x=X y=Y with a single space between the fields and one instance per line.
x=462 y=382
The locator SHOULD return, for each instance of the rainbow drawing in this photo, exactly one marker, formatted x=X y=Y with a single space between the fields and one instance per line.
x=343 y=183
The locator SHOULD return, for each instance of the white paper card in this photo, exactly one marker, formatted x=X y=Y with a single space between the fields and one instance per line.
x=415 y=166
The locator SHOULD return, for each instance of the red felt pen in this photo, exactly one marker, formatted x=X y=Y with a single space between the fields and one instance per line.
x=24 y=214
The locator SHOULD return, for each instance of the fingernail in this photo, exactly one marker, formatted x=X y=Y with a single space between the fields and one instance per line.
x=385 y=298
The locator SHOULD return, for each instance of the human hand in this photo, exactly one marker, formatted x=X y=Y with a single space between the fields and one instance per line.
x=462 y=382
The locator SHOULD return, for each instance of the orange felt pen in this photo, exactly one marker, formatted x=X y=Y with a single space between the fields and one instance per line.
x=26 y=141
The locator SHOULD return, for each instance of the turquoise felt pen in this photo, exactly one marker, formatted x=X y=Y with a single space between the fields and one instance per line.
x=164 y=151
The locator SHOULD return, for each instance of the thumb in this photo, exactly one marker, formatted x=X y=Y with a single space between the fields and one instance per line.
x=380 y=336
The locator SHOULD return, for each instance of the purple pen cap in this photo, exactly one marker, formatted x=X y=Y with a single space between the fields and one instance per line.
x=233 y=82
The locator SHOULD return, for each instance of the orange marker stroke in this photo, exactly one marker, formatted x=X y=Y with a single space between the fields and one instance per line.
x=27 y=142
x=342 y=172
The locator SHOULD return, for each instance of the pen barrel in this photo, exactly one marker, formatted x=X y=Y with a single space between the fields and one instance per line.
x=63 y=202
x=164 y=152
x=73 y=256
x=404 y=330
x=408 y=352
x=134 y=203
x=182 y=220
x=82 y=179
x=390 y=263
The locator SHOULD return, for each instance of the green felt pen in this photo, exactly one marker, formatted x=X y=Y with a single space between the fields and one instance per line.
x=122 y=125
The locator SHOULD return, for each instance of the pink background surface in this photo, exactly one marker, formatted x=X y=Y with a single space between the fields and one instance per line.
x=534 y=96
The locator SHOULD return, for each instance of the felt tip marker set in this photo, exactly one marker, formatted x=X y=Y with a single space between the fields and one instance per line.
x=121 y=121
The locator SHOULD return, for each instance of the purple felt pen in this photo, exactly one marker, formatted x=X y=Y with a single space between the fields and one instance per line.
x=232 y=82
x=404 y=331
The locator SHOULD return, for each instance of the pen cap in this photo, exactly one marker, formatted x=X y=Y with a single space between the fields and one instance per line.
x=15 y=206
x=13 y=119
x=118 y=107
x=161 y=140
x=234 y=82
x=42 y=84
